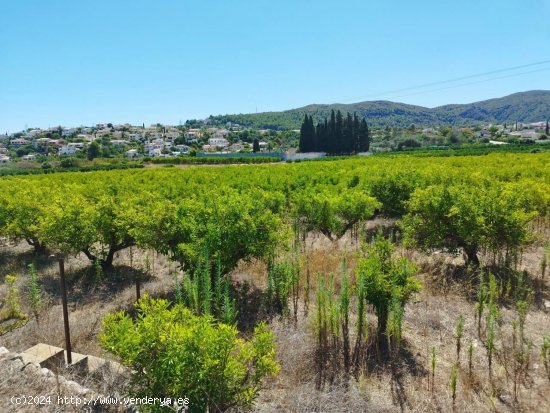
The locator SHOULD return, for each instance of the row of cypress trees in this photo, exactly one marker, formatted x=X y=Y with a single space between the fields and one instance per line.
x=337 y=135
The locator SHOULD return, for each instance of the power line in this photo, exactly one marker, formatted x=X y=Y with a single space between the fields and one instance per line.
x=472 y=83
x=456 y=79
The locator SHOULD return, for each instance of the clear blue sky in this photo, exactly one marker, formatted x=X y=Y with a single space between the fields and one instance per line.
x=79 y=62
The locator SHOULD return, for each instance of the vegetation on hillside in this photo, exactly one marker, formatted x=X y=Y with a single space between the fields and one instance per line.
x=530 y=106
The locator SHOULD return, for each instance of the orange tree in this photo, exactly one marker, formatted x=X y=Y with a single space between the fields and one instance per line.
x=489 y=215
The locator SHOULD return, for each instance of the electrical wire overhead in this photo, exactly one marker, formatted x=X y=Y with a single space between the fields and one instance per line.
x=454 y=80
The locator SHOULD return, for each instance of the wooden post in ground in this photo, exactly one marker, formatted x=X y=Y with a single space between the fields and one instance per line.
x=61 y=261
x=138 y=287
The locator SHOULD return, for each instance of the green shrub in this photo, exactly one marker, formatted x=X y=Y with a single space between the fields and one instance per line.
x=68 y=163
x=13 y=302
x=545 y=354
x=281 y=282
x=34 y=293
x=453 y=382
x=174 y=353
x=203 y=297
x=388 y=284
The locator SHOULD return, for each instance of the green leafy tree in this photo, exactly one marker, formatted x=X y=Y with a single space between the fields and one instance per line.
x=408 y=143
x=468 y=217
x=184 y=355
x=393 y=189
x=333 y=214
x=95 y=223
x=24 y=150
x=94 y=151
x=256 y=145
x=68 y=163
x=231 y=227
x=21 y=211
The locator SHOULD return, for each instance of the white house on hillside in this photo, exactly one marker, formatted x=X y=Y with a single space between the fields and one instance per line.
x=155 y=152
x=67 y=150
x=132 y=153
x=182 y=148
x=218 y=142
x=18 y=142
x=119 y=142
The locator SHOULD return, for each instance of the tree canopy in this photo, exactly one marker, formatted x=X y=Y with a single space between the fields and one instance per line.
x=339 y=135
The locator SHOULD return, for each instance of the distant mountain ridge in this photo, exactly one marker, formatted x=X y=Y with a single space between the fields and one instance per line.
x=531 y=106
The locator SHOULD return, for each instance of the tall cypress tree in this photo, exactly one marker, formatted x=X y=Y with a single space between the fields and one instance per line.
x=325 y=136
x=331 y=143
x=307 y=135
x=339 y=146
x=337 y=135
x=364 y=138
x=320 y=134
x=312 y=137
x=356 y=127
x=345 y=135
x=346 y=146
x=318 y=138
x=547 y=130
x=303 y=133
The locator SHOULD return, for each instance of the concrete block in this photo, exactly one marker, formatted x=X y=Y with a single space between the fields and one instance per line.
x=79 y=364
x=47 y=356
x=95 y=363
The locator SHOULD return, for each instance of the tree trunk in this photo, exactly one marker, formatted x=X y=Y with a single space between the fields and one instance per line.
x=39 y=248
x=470 y=254
x=89 y=255
x=107 y=262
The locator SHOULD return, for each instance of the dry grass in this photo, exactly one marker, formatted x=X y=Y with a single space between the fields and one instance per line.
x=88 y=302
x=430 y=320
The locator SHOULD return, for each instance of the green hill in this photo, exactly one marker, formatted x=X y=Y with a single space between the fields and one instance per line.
x=529 y=106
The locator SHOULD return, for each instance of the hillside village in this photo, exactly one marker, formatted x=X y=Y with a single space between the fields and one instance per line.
x=135 y=142
x=126 y=141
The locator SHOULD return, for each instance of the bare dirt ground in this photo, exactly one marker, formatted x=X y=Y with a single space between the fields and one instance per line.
x=430 y=320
